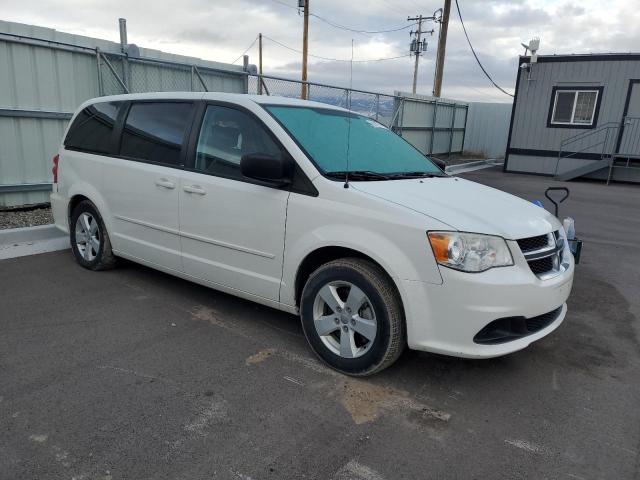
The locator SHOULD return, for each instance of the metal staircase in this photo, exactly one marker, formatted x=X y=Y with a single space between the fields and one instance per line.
x=601 y=142
x=614 y=149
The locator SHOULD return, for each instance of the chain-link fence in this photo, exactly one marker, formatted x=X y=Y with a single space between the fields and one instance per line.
x=120 y=74
x=434 y=126
x=375 y=105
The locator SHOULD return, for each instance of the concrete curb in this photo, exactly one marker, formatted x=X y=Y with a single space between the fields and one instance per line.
x=29 y=234
x=20 y=242
x=471 y=166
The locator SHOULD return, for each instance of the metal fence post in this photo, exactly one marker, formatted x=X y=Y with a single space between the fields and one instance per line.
x=464 y=128
x=377 y=106
x=123 y=48
x=454 y=109
x=99 y=63
x=434 y=119
x=401 y=119
x=113 y=72
x=199 y=77
x=245 y=69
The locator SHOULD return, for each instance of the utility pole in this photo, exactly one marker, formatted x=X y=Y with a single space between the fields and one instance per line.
x=416 y=48
x=259 y=64
x=442 y=44
x=305 y=46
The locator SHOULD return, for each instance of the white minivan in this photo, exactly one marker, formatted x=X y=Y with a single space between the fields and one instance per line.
x=316 y=211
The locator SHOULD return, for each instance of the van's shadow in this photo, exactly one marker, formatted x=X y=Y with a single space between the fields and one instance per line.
x=577 y=345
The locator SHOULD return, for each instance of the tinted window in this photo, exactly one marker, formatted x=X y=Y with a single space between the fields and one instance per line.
x=226 y=135
x=92 y=128
x=155 y=131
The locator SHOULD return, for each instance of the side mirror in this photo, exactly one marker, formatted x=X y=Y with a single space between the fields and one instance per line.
x=275 y=171
x=441 y=164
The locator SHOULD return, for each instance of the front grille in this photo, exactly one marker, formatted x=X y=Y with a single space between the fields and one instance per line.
x=542 y=265
x=536 y=324
x=533 y=243
x=507 y=329
x=543 y=253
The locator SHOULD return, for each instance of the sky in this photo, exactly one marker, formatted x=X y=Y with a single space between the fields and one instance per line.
x=221 y=31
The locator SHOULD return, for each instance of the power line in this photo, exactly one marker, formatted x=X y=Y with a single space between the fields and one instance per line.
x=285 y=4
x=332 y=59
x=248 y=48
x=349 y=29
x=392 y=7
x=344 y=27
x=476 y=56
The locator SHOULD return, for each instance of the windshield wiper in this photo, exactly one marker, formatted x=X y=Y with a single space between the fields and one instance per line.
x=415 y=175
x=358 y=175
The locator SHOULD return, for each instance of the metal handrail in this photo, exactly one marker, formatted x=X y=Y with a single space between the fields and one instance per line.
x=579 y=136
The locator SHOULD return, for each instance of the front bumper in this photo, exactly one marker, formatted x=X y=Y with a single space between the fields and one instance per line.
x=445 y=318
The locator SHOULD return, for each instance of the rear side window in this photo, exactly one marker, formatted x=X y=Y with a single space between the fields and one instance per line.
x=92 y=129
x=155 y=132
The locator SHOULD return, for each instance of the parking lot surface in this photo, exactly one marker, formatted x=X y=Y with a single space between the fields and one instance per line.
x=135 y=374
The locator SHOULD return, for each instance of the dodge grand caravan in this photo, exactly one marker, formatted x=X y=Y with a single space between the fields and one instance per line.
x=316 y=211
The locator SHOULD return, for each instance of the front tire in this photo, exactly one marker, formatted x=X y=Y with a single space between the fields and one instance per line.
x=352 y=316
x=89 y=238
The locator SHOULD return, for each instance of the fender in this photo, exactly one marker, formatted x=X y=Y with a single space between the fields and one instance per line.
x=387 y=253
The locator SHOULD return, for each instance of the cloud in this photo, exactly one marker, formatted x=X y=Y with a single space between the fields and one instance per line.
x=221 y=30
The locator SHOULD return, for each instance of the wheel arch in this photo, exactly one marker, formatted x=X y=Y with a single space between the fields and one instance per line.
x=318 y=257
x=87 y=192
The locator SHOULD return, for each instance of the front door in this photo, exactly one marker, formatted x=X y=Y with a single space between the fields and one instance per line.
x=232 y=229
x=629 y=141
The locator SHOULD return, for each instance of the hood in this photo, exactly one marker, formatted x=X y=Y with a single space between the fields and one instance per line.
x=466 y=206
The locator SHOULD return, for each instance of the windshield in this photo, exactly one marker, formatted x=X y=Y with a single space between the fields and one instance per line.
x=372 y=148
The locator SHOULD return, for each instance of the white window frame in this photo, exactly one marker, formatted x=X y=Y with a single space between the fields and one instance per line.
x=573 y=110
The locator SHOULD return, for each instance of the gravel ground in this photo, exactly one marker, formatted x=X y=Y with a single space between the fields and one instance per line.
x=25 y=218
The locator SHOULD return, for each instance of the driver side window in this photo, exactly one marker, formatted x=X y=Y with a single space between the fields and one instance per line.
x=226 y=135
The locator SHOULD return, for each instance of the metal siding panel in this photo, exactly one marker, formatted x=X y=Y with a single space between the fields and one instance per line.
x=456 y=144
x=49 y=79
x=487 y=128
x=417 y=139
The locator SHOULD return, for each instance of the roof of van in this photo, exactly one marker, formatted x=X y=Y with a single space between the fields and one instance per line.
x=239 y=98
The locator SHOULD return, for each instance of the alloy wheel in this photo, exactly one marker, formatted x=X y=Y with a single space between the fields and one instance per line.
x=87 y=236
x=344 y=319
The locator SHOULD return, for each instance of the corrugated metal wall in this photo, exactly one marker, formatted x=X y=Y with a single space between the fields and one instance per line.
x=46 y=74
x=530 y=131
x=432 y=125
x=487 y=129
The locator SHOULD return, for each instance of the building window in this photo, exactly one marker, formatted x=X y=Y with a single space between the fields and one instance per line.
x=574 y=107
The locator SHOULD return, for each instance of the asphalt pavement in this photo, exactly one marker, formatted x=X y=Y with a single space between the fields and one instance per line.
x=134 y=374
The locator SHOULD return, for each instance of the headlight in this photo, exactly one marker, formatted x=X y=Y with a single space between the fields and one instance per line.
x=470 y=252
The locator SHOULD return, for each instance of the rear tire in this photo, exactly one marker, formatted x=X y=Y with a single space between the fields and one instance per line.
x=352 y=316
x=89 y=238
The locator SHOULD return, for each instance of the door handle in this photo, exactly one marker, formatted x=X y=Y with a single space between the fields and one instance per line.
x=164 y=183
x=197 y=189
